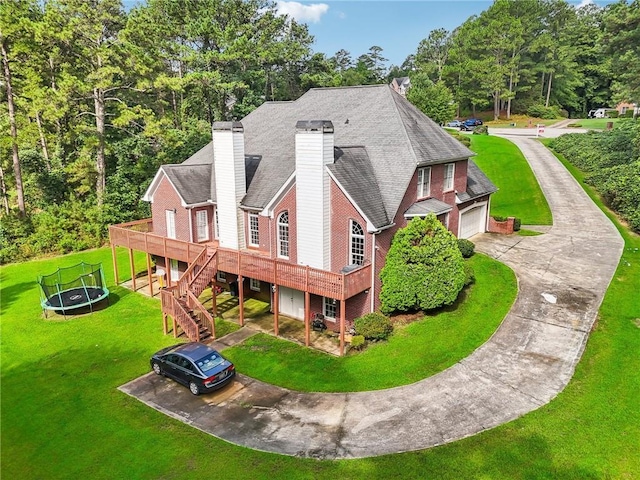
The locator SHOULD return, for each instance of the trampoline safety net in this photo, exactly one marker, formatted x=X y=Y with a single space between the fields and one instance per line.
x=85 y=278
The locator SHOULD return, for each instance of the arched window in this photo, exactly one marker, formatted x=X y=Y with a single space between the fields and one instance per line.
x=357 y=244
x=283 y=235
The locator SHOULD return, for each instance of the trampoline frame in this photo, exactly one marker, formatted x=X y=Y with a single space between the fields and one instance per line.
x=95 y=269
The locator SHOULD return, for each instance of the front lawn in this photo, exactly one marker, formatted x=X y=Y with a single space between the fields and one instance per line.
x=519 y=194
x=595 y=123
x=414 y=351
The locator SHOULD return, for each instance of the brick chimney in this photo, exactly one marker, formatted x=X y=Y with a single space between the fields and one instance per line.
x=230 y=181
x=314 y=151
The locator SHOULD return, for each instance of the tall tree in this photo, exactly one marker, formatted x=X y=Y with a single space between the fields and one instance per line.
x=16 y=41
x=433 y=52
x=622 y=43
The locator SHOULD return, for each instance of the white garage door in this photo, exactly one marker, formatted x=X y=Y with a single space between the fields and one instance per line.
x=291 y=303
x=472 y=221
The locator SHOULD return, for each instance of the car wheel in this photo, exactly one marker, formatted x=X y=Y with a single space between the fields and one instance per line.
x=194 y=388
x=156 y=369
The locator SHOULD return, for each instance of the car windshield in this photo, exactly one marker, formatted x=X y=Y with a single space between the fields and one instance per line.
x=209 y=362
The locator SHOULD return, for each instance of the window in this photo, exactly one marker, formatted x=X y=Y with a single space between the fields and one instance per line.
x=202 y=225
x=330 y=308
x=171 y=223
x=357 y=244
x=283 y=235
x=254 y=284
x=254 y=233
x=221 y=277
x=449 y=169
x=424 y=182
x=216 y=231
x=445 y=220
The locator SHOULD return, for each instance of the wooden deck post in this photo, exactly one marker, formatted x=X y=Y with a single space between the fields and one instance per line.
x=175 y=327
x=149 y=274
x=165 y=327
x=214 y=300
x=241 y=298
x=114 y=256
x=167 y=268
x=276 y=309
x=342 y=325
x=133 y=270
x=307 y=320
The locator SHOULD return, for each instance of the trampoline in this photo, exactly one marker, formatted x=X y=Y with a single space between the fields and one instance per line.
x=71 y=288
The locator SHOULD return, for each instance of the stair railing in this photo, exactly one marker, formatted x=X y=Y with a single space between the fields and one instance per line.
x=202 y=313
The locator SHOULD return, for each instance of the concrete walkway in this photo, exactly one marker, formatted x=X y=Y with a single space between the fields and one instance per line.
x=562 y=278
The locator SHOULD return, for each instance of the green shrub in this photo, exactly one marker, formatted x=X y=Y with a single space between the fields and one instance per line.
x=466 y=247
x=540 y=111
x=481 y=130
x=517 y=223
x=373 y=326
x=423 y=269
x=469 y=275
x=499 y=218
x=358 y=342
x=612 y=113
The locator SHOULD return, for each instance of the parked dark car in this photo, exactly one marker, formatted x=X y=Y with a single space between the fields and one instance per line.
x=470 y=123
x=195 y=365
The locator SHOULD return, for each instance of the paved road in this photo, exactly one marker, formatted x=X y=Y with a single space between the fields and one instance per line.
x=532 y=356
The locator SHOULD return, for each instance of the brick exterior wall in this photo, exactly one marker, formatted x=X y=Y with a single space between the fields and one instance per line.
x=505 y=228
x=166 y=198
x=288 y=203
x=342 y=211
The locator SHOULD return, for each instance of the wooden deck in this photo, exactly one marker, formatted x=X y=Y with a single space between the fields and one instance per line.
x=341 y=286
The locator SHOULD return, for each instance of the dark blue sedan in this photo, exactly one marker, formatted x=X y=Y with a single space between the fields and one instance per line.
x=195 y=365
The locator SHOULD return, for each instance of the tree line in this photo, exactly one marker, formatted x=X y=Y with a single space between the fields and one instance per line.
x=96 y=97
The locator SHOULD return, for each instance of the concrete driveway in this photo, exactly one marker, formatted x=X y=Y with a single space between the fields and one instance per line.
x=562 y=276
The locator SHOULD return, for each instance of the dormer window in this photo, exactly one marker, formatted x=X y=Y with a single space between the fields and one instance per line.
x=424 y=182
x=449 y=170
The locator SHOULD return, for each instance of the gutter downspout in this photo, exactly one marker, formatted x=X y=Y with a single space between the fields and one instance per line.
x=374 y=249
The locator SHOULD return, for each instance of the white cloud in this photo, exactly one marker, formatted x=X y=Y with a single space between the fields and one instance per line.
x=584 y=3
x=302 y=13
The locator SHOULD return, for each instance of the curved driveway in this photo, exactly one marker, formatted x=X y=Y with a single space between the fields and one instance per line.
x=532 y=356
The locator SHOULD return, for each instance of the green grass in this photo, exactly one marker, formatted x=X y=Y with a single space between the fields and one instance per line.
x=519 y=193
x=523 y=232
x=62 y=417
x=595 y=123
x=414 y=351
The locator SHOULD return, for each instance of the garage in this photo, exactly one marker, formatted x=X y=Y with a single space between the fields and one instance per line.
x=473 y=221
x=291 y=303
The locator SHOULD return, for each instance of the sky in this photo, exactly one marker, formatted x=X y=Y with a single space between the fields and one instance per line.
x=396 y=26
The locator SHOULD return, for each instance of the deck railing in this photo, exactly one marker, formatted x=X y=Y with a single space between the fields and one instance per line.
x=319 y=282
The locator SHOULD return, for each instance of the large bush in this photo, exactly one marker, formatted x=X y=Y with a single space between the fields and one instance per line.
x=424 y=268
x=373 y=326
x=540 y=111
x=611 y=163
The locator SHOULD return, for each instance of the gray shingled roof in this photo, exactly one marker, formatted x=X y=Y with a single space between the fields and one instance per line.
x=430 y=205
x=478 y=184
x=353 y=170
x=193 y=182
x=396 y=136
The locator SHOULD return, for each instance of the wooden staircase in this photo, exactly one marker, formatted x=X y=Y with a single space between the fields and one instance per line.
x=181 y=300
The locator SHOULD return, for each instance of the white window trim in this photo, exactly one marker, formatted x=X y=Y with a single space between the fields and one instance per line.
x=170 y=218
x=254 y=284
x=280 y=242
x=202 y=228
x=252 y=231
x=448 y=188
x=216 y=227
x=329 y=301
x=352 y=236
x=421 y=173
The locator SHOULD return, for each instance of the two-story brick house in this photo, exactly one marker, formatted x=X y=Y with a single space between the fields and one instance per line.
x=297 y=203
